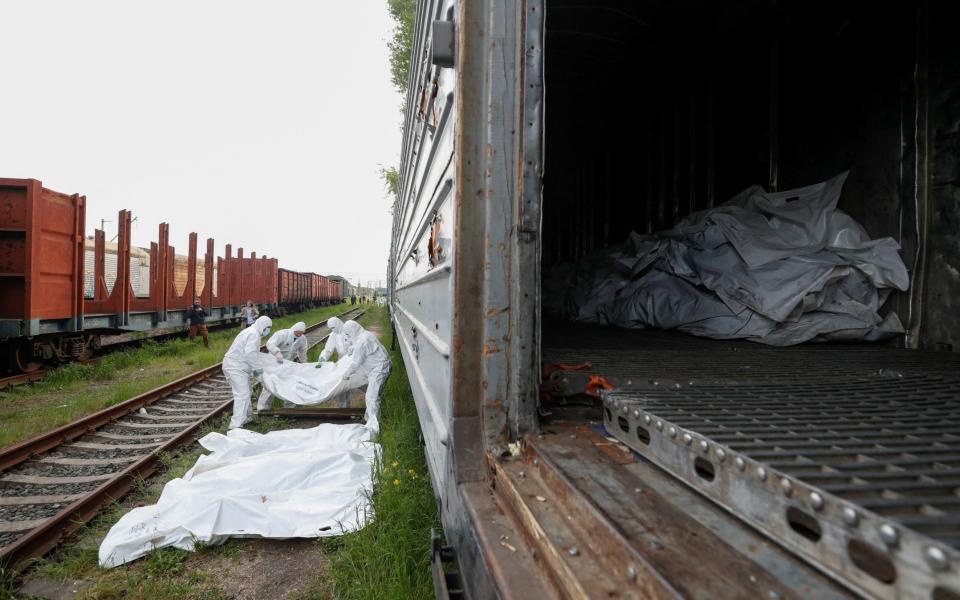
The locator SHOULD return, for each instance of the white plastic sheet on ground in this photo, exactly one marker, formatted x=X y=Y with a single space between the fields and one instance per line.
x=306 y=384
x=778 y=268
x=284 y=484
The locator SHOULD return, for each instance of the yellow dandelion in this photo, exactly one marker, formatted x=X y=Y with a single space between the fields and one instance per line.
x=396 y=482
x=394 y=464
x=411 y=471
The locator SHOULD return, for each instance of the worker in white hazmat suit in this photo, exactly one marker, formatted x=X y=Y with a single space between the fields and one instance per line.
x=289 y=344
x=285 y=344
x=370 y=360
x=336 y=342
x=240 y=362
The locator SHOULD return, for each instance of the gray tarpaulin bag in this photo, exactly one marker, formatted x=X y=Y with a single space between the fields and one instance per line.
x=779 y=268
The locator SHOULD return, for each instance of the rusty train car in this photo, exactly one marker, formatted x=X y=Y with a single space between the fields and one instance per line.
x=52 y=310
x=538 y=132
x=300 y=291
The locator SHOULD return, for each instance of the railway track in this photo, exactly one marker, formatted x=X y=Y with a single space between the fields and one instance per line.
x=14 y=379
x=21 y=378
x=53 y=483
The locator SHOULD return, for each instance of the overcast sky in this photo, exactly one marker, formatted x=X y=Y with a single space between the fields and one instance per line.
x=261 y=124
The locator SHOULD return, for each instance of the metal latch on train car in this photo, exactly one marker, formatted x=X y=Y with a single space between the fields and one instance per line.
x=447 y=583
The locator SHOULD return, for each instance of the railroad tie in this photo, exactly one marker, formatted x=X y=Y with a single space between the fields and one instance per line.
x=19 y=500
x=17 y=526
x=194 y=402
x=95 y=446
x=178 y=417
x=121 y=437
x=79 y=462
x=181 y=409
x=43 y=480
x=153 y=425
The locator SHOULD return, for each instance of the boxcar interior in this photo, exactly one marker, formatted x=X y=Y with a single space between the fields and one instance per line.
x=656 y=110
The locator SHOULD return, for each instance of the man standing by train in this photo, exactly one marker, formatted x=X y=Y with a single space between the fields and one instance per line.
x=198 y=318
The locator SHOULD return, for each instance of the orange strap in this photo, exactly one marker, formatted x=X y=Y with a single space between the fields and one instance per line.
x=596 y=383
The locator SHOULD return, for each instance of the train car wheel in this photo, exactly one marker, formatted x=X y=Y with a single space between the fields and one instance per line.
x=21 y=358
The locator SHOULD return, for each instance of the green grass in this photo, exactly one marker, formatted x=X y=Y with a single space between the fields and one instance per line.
x=75 y=390
x=390 y=557
x=7 y=586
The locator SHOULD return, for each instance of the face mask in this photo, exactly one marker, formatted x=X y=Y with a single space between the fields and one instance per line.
x=265 y=332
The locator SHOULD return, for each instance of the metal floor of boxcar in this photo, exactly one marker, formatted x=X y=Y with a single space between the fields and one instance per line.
x=861 y=441
x=669 y=357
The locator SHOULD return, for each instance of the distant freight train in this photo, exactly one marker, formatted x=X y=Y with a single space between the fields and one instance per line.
x=53 y=310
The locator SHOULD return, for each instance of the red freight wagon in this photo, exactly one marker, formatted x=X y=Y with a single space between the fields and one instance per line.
x=298 y=291
x=41 y=258
x=51 y=310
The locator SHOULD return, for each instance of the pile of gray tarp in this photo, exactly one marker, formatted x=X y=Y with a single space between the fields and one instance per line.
x=779 y=268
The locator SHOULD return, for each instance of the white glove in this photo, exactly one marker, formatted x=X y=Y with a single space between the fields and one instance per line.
x=322 y=360
x=257 y=372
x=279 y=356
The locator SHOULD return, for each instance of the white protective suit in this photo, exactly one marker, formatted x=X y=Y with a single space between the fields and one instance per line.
x=239 y=363
x=370 y=359
x=285 y=345
x=336 y=341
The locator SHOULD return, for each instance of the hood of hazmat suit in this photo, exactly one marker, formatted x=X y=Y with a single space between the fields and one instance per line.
x=336 y=342
x=245 y=348
x=352 y=329
x=370 y=360
x=299 y=326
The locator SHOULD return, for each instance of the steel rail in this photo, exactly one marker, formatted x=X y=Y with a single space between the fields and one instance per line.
x=21 y=378
x=42 y=539
x=16 y=379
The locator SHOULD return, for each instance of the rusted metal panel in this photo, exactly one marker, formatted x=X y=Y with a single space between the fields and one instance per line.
x=454 y=247
x=647 y=544
x=41 y=261
x=162 y=286
x=80 y=249
x=283 y=279
x=236 y=280
x=15 y=196
x=226 y=282
x=207 y=296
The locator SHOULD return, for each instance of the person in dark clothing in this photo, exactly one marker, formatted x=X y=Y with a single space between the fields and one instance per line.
x=197 y=317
